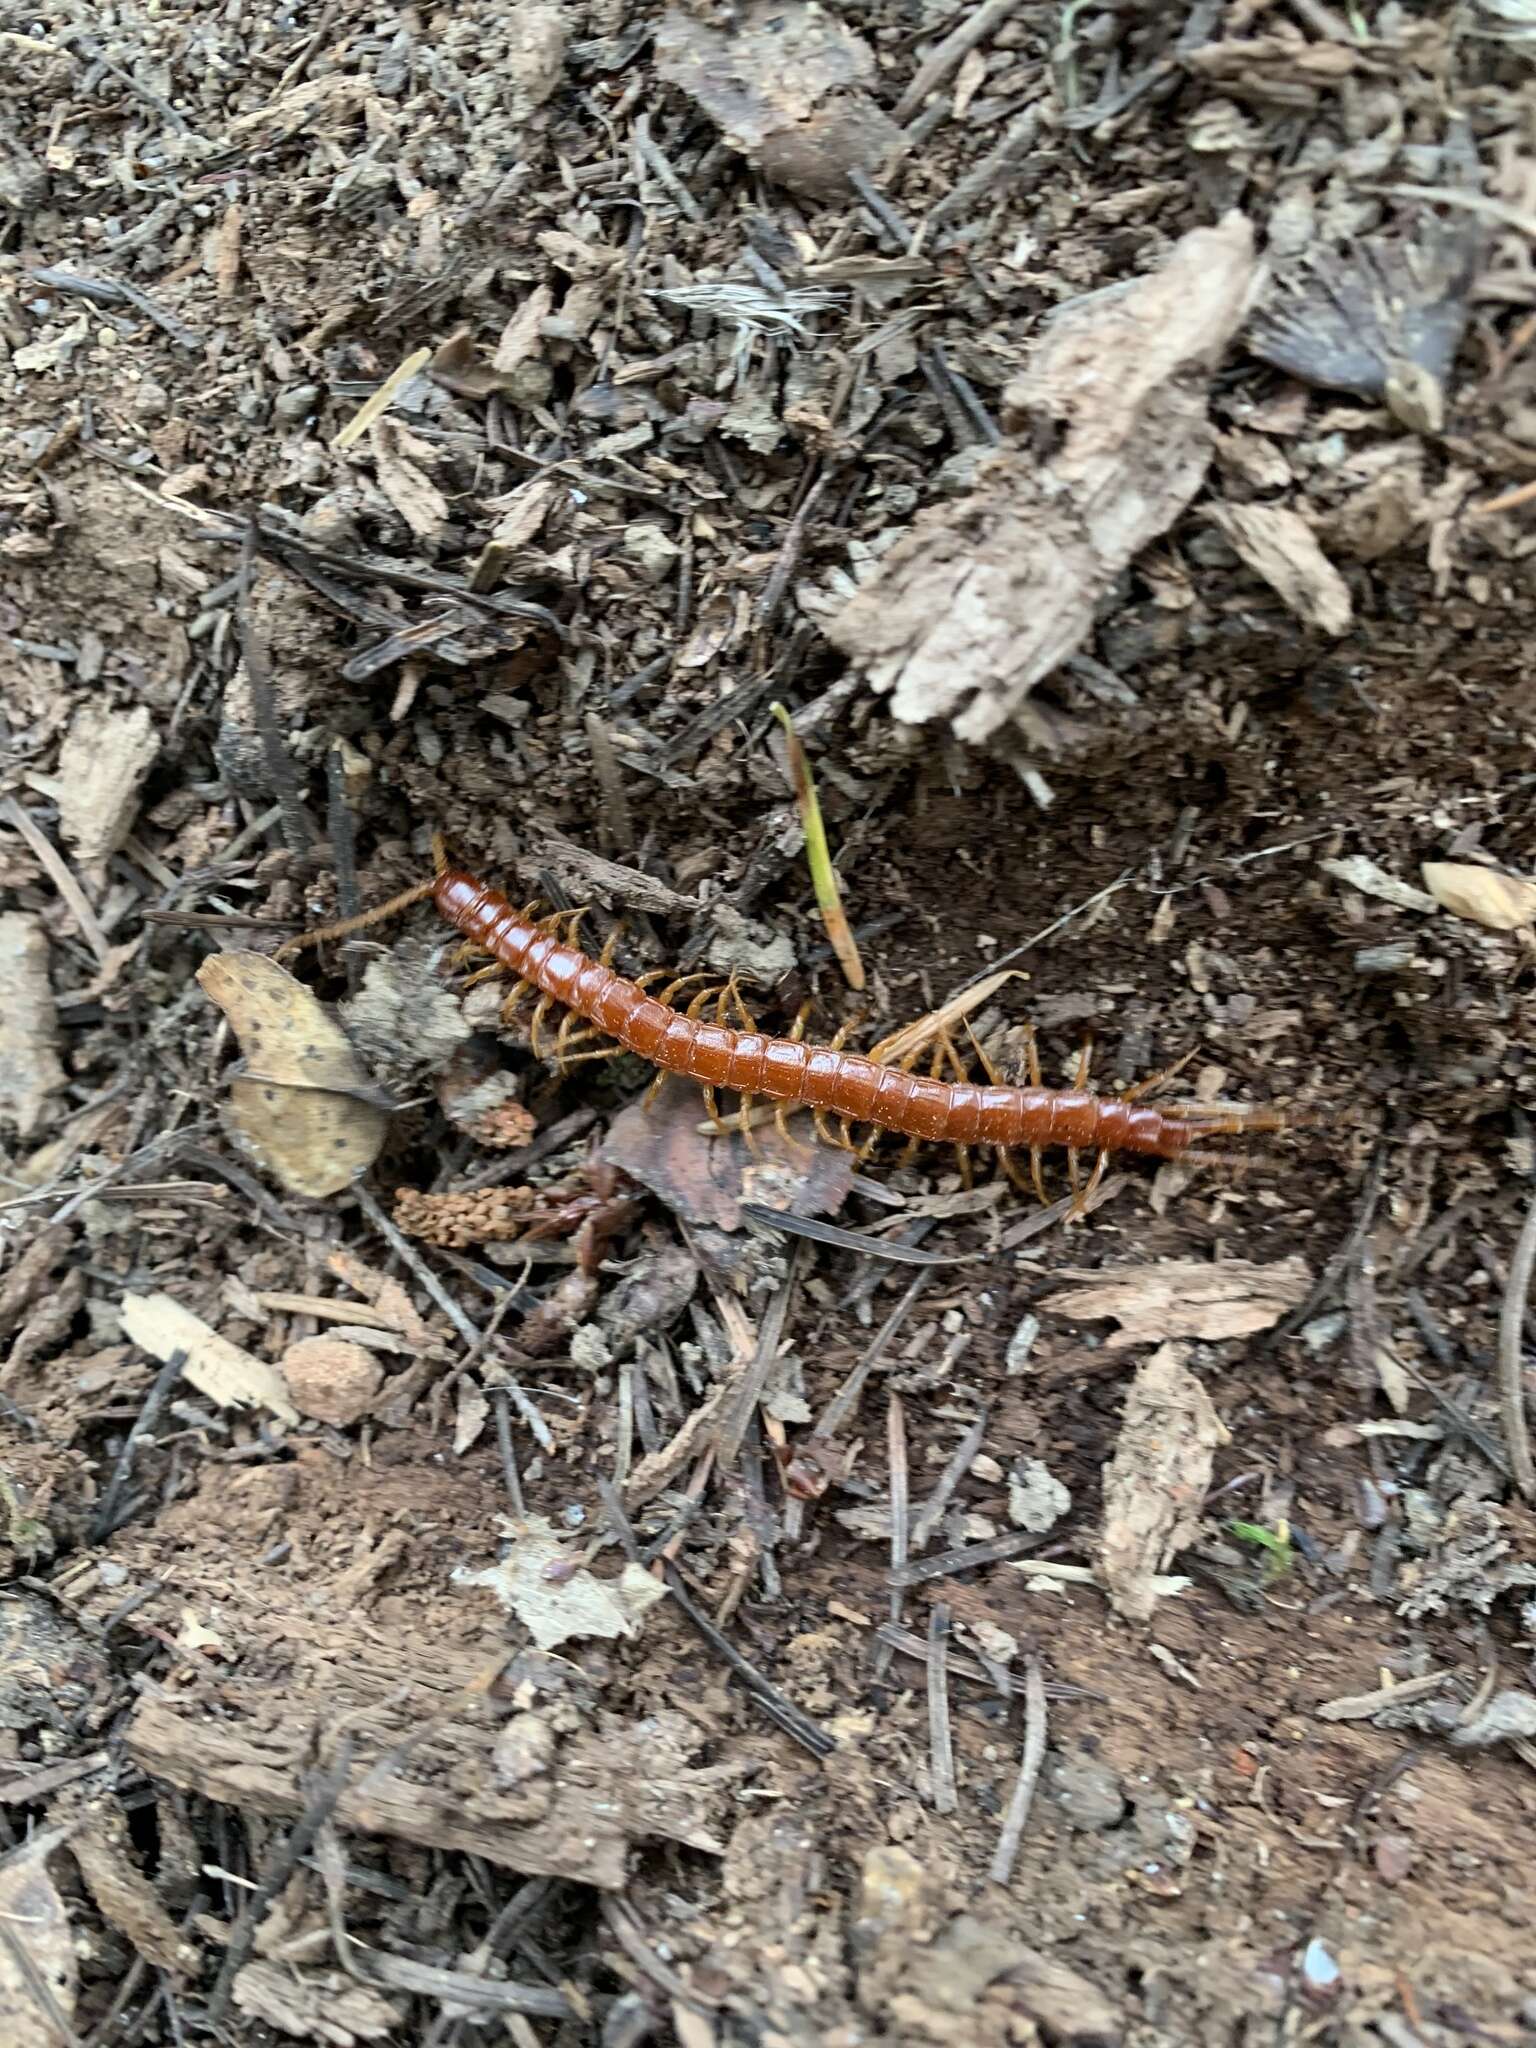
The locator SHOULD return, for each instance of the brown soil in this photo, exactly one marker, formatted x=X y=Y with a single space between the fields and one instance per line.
x=314 y=1782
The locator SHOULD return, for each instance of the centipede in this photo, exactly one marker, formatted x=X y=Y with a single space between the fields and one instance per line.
x=845 y=1091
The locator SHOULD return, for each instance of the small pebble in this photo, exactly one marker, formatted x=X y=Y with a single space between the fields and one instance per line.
x=1089 y=1793
x=331 y=1379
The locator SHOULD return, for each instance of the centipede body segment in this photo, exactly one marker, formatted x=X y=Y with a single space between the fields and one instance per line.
x=853 y=1087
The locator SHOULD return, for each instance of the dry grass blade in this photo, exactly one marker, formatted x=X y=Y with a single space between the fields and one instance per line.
x=818 y=854
x=380 y=401
x=922 y=1031
x=1511 y=1357
x=850 y=1240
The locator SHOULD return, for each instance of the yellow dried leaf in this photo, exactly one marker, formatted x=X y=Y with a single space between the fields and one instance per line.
x=301 y=1103
x=1498 y=901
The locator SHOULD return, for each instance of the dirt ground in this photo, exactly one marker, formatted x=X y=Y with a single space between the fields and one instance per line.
x=487 y=1556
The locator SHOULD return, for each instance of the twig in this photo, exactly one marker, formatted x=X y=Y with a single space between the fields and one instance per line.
x=792 y=1719
x=1512 y=1358
x=941 y=1748
x=960 y=200
x=258 y=676
x=750 y=1386
x=159 y=1393
x=965 y=1559
x=59 y=873
x=408 y=1256
x=945 y=58
x=1029 y=1772
x=839 y=1409
x=503 y=1410
x=884 y=213
x=1342 y=1259
x=901 y=1506
x=650 y=153
x=959 y=1464
x=281 y=1863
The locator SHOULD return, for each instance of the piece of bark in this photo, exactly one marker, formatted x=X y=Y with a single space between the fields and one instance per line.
x=1109 y=440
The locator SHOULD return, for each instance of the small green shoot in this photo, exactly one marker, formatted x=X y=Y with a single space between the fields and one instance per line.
x=818 y=854
x=1275 y=1543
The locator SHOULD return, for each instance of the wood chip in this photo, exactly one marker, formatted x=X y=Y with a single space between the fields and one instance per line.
x=1278 y=545
x=103 y=763
x=30 y=1070
x=230 y=1376
x=1184 y=1298
x=983 y=598
x=1157 y=1480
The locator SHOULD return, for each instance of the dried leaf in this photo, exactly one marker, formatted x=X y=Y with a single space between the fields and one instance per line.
x=1157 y=1479
x=39 y=1977
x=1184 y=1298
x=1501 y=902
x=228 y=1375
x=785 y=86
x=704 y=1176
x=301 y=1103
x=1278 y=545
x=983 y=598
x=557 y=1599
x=1371 y=880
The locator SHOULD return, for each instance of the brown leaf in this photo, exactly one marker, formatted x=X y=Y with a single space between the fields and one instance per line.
x=704 y=1176
x=785 y=86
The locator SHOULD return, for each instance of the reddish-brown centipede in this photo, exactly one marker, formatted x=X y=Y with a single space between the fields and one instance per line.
x=853 y=1087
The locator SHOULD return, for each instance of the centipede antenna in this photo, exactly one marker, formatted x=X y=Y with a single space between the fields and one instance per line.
x=345 y=927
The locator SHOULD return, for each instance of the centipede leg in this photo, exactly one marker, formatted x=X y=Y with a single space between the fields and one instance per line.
x=744 y=1123
x=1037 y=1175
x=731 y=995
x=541 y=1010
x=712 y=1105
x=1006 y=1161
x=1100 y=1166
x=781 y=1115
